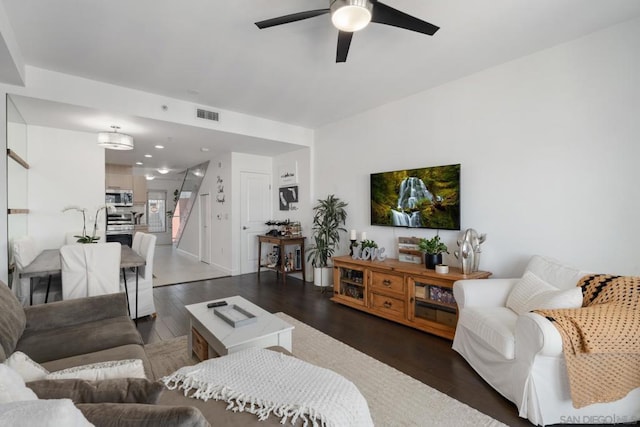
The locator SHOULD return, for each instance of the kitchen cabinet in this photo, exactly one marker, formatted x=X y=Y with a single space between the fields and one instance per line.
x=139 y=190
x=118 y=177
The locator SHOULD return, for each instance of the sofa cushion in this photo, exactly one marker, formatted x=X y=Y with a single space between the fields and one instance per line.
x=138 y=415
x=43 y=345
x=12 y=321
x=119 y=390
x=26 y=367
x=131 y=351
x=42 y=413
x=494 y=325
x=532 y=293
x=555 y=273
x=12 y=388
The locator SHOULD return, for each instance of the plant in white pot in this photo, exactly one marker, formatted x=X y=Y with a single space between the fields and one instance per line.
x=328 y=217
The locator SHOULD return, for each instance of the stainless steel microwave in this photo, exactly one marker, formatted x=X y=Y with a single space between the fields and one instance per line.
x=119 y=197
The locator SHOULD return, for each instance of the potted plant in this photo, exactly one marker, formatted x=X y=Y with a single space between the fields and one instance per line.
x=433 y=249
x=328 y=216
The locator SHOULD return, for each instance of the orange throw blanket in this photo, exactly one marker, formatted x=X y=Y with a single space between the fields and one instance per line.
x=601 y=340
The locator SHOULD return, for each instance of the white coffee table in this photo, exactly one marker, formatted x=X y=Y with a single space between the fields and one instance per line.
x=268 y=330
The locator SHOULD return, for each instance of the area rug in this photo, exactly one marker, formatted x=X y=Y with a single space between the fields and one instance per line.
x=394 y=399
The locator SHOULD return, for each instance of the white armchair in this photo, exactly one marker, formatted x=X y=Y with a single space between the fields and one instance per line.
x=521 y=356
x=146 y=244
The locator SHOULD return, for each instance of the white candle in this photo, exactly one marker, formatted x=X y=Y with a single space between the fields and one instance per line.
x=353 y=235
x=364 y=236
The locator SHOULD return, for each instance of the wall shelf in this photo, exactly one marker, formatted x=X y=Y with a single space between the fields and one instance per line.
x=12 y=154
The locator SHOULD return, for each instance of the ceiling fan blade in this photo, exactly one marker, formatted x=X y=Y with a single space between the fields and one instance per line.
x=344 y=41
x=290 y=18
x=383 y=14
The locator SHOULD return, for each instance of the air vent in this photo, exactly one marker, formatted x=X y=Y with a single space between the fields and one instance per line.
x=207 y=115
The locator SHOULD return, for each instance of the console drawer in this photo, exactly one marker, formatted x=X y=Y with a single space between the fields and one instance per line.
x=388 y=282
x=387 y=305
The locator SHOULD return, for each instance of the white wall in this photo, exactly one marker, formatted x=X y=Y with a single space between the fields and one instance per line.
x=220 y=189
x=549 y=147
x=4 y=247
x=17 y=176
x=66 y=168
x=304 y=213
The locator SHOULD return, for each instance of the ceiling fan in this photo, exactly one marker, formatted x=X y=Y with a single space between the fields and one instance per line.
x=349 y=16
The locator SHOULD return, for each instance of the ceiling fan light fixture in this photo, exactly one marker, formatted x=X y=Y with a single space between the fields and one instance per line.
x=115 y=140
x=351 y=15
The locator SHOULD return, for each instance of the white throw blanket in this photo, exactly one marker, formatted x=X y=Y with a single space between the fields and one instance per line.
x=262 y=382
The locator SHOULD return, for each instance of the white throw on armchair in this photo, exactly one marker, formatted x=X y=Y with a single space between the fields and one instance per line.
x=521 y=355
x=146 y=244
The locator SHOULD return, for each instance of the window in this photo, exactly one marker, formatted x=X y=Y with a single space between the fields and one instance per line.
x=157 y=211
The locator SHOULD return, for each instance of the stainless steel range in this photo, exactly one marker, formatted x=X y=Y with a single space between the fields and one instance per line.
x=120 y=228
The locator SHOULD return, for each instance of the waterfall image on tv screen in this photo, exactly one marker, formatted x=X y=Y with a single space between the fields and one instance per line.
x=420 y=198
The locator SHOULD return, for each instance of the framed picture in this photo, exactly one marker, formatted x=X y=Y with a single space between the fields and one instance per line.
x=288 y=198
x=288 y=174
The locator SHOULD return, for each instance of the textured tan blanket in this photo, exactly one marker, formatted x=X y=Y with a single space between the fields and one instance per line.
x=601 y=340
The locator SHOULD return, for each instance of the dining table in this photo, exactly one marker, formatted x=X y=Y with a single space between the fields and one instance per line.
x=48 y=263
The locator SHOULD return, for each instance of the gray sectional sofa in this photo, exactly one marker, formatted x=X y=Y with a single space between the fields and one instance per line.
x=77 y=332
x=71 y=333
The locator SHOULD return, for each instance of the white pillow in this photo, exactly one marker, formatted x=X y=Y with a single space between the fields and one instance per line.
x=567 y=298
x=533 y=293
x=12 y=388
x=131 y=368
x=25 y=367
x=42 y=413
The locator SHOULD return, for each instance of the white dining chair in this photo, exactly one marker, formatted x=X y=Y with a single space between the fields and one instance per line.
x=89 y=270
x=30 y=291
x=146 y=306
x=137 y=241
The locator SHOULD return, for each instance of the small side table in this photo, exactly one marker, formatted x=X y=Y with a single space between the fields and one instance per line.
x=282 y=242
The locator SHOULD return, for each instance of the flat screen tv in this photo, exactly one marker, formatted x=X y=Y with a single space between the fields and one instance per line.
x=417 y=198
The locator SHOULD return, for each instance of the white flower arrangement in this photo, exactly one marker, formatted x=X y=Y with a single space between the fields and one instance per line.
x=85 y=238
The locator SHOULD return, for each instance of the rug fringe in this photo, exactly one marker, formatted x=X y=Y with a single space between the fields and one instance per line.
x=238 y=402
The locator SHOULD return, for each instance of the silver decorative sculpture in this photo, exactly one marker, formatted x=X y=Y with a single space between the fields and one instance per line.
x=469 y=252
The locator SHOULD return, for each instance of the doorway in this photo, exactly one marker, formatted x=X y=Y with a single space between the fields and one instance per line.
x=255 y=211
x=205 y=228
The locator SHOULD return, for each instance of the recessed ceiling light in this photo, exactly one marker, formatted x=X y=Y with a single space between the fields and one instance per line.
x=149 y=177
x=148 y=155
x=163 y=171
x=204 y=149
x=159 y=147
x=139 y=163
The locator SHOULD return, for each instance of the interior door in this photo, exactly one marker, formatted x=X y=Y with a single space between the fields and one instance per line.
x=205 y=228
x=255 y=210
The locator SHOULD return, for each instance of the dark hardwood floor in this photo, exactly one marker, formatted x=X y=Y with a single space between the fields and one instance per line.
x=425 y=357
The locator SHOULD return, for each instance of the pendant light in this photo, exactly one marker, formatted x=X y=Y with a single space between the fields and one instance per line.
x=115 y=140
